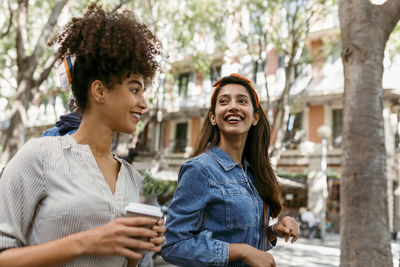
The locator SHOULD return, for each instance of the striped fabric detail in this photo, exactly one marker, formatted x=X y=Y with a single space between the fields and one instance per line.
x=53 y=188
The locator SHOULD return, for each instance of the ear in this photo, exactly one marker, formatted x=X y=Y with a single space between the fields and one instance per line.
x=98 y=91
x=256 y=118
x=211 y=117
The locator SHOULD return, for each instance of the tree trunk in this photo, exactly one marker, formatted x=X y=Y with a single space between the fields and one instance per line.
x=279 y=126
x=365 y=238
x=13 y=138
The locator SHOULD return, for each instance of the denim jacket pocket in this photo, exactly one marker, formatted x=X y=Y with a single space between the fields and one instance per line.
x=240 y=208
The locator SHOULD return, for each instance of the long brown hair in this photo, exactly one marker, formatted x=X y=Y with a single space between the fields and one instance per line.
x=255 y=150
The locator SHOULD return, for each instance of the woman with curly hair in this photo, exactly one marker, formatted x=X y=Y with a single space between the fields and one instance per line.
x=62 y=198
x=219 y=215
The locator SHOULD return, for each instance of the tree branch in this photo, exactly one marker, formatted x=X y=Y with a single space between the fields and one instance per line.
x=47 y=30
x=390 y=15
x=121 y=3
x=9 y=21
x=47 y=69
x=21 y=32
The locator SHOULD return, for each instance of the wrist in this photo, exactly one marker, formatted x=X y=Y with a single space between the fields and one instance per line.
x=247 y=253
x=238 y=251
x=81 y=242
x=272 y=235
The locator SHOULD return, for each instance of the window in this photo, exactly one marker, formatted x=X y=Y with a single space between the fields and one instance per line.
x=215 y=74
x=336 y=127
x=281 y=61
x=294 y=197
x=180 y=137
x=294 y=132
x=183 y=84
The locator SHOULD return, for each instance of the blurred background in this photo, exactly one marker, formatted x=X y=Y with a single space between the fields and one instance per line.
x=290 y=49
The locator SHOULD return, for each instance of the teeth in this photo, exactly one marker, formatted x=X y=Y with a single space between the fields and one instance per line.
x=233 y=118
x=136 y=115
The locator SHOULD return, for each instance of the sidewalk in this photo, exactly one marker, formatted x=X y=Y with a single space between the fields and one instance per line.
x=310 y=253
x=313 y=253
x=307 y=253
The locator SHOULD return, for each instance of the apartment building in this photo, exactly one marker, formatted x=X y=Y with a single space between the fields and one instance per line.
x=316 y=99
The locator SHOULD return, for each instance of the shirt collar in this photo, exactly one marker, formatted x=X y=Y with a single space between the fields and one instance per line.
x=223 y=159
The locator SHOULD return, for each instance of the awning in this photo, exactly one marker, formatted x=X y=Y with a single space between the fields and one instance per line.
x=290 y=183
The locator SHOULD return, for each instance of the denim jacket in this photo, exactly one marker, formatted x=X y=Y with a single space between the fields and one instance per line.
x=215 y=203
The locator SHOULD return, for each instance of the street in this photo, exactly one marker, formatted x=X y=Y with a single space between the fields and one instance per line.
x=308 y=253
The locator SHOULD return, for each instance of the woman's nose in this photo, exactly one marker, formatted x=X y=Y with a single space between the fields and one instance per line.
x=142 y=102
x=233 y=105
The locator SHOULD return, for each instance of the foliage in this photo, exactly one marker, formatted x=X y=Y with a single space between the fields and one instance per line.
x=283 y=26
x=393 y=44
x=161 y=189
x=197 y=27
x=37 y=17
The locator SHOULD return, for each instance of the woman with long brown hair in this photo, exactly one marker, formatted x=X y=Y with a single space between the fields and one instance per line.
x=227 y=191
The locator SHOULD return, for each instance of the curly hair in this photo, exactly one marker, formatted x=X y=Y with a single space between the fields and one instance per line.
x=107 y=46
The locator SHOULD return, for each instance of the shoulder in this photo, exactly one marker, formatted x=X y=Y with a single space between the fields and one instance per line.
x=197 y=163
x=27 y=160
x=35 y=148
x=202 y=161
x=196 y=168
x=53 y=131
x=31 y=149
x=205 y=163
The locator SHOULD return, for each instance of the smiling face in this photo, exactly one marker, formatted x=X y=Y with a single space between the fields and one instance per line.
x=234 y=112
x=125 y=103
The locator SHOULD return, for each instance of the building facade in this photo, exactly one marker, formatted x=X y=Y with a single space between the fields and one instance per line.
x=316 y=99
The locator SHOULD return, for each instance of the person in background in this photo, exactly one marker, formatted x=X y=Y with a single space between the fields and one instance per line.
x=219 y=215
x=68 y=124
x=308 y=218
x=62 y=198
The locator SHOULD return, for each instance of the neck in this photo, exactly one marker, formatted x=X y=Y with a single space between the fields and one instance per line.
x=233 y=146
x=96 y=134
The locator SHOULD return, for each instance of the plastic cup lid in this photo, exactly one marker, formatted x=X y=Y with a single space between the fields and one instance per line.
x=144 y=209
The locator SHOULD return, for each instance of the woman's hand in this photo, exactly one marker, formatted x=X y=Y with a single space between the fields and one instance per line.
x=160 y=239
x=119 y=237
x=287 y=227
x=250 y=255
x=258 y=258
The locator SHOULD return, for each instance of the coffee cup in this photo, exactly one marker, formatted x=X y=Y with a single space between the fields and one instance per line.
x=142 y=210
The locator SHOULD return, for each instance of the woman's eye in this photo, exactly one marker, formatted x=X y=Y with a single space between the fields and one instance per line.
x=223 y=101
x=135 y=91
x=243 y=101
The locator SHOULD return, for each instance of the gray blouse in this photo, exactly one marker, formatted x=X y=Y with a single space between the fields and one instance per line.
x=53 y=188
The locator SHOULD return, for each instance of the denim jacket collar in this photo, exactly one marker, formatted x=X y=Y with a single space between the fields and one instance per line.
x=223 y=159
